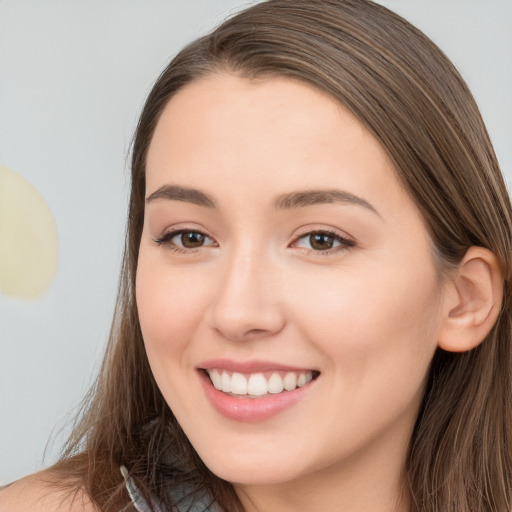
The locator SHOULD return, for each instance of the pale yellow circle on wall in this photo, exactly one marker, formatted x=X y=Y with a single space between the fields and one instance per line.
x=28 y=238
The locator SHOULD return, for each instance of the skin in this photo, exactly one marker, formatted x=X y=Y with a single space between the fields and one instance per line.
x=42 y=492
x=365 y=314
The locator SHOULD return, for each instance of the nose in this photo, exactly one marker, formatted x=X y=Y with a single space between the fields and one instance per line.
x=247 y=304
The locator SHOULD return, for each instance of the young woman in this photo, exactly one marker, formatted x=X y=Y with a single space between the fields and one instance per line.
x=314 y=310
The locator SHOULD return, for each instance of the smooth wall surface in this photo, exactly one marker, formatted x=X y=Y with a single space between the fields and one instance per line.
x=73 y=77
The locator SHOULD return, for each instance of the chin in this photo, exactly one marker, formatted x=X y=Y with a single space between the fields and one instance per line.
x=255 y=475
x=259 y=469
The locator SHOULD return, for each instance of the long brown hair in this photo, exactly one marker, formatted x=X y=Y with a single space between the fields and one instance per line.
x=409 y=95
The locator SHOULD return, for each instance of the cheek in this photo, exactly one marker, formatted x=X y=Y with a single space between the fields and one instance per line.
x=170 y=306
x=377 y=341
x=372 y=321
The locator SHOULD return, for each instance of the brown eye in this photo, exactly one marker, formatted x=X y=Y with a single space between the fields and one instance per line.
x=192 y=239
x=321 y=241
x=184 y=240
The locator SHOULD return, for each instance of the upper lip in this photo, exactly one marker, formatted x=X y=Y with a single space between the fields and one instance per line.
x=253 y=366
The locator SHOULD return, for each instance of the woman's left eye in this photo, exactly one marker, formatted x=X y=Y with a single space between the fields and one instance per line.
x=323 y=241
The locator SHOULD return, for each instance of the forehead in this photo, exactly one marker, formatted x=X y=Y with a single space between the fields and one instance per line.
x=259 y=135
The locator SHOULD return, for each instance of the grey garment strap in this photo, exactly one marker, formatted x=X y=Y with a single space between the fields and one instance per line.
x=184 y=504
x=138 y=501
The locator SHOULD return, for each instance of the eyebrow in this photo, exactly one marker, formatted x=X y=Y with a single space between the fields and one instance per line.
x=311 y=197
x=288 y=201
x=188 y=195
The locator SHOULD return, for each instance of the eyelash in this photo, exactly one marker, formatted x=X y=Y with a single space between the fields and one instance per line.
x=165 y=240
x=344 y=243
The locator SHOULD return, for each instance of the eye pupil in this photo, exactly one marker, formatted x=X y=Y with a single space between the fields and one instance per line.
x=321 y=241
x=191 y=239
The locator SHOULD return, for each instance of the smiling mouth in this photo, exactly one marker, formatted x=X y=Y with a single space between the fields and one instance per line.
x=260 y=384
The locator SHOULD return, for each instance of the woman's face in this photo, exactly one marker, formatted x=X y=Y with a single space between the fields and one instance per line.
x=282 y=262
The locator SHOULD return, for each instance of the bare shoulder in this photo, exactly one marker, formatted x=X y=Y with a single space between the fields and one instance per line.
x=42 y=493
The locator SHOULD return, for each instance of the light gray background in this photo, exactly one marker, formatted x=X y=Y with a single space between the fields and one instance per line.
x=73 y=77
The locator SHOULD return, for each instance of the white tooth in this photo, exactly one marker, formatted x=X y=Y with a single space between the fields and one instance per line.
x=225 y=382
x=309 y=377
x=290 y=381
x=275 y=383
x=215 y=378
x=301 y=380
x=257 y=385
x=238 y=384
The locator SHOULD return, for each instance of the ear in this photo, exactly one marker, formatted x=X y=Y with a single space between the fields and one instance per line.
x=472 y=302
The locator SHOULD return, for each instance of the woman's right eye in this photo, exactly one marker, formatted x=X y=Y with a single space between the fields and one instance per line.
x=183 y=240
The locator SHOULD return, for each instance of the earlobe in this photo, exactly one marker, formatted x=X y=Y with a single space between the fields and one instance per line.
x=473 y=301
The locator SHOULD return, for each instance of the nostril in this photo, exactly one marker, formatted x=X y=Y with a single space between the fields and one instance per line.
x=255 y=332
x=249 y=335
x=233 y=332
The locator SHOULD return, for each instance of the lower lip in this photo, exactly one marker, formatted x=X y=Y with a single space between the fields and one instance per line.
x=251 y=410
